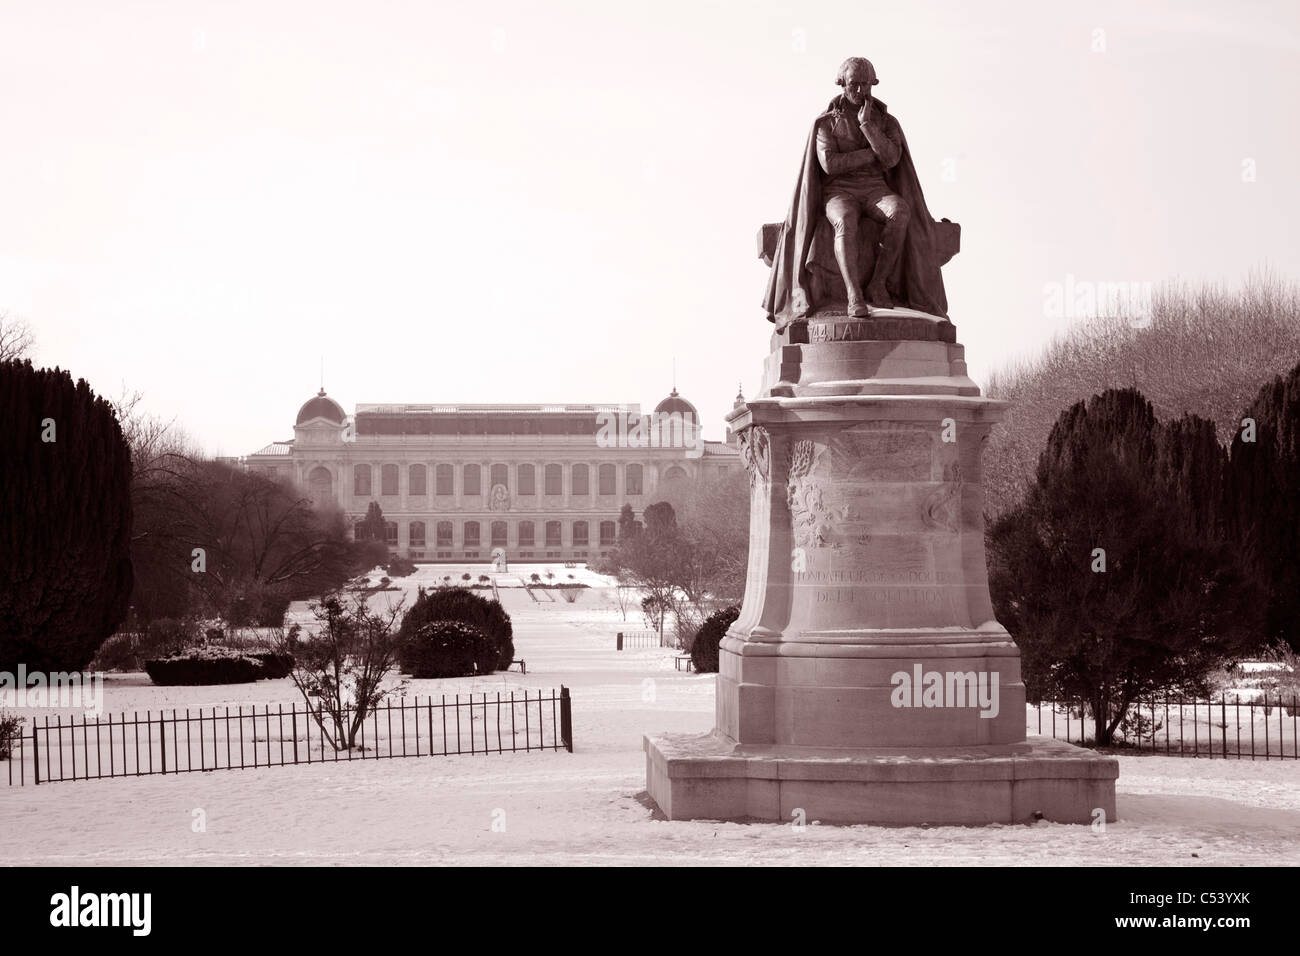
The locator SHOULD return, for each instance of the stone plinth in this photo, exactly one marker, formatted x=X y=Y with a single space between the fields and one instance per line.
x=867 y=679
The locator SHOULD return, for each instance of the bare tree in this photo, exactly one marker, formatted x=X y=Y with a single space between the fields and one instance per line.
x=16 y=338
x=339 y=669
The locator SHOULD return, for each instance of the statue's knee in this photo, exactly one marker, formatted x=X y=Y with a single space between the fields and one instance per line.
x=845 y=226
x=897 y=210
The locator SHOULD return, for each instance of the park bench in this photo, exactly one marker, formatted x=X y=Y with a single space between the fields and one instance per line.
x=523 y=666
x=683 y=658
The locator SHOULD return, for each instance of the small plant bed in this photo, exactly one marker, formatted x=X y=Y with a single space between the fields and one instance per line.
x=216 y=665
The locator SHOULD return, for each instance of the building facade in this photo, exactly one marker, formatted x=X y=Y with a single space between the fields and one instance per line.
x=457 y=482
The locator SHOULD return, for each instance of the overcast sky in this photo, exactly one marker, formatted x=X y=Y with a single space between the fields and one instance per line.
x=537 y=202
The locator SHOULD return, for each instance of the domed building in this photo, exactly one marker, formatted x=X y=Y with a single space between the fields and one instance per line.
x=457 y=482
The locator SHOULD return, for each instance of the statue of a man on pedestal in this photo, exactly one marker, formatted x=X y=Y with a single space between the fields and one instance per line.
x=858 y=211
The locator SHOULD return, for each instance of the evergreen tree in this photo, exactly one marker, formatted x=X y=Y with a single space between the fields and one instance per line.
x=371 y=527
x=65 y=494
x=1114 y=575
x=1262 y=500
x=628 y=526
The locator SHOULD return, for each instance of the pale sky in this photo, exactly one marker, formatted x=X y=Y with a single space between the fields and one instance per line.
x=550 y=202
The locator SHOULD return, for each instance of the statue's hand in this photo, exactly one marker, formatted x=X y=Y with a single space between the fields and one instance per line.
x=864 y=113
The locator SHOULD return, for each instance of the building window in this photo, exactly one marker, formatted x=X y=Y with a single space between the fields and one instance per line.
x=416 y=480
x=526 y=539
x=607 y=479
x=416 y=534
x=473 y=477
x=579 y=534
x=607 y=531
x=527 y=480
x=498 y=534
x=552 y=534
x=390 y=533
x=554 y=480
x=674 y=473
x=444 y=478
x=471 y=534
x=581 y=482
x=634 y=479
x=388 y=480
x=361 y=481
x=444 y=534
x=498 y=477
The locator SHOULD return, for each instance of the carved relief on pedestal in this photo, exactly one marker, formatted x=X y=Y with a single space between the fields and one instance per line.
x=942 y=507
x=811 y=520
x=756 y=450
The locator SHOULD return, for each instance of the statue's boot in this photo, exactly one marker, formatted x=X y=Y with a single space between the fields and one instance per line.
x=846 y=254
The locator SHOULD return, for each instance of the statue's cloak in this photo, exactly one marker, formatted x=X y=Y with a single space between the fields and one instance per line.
x=917 y=282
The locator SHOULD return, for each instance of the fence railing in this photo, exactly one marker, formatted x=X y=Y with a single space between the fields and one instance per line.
x=625 y=640
x=56 y=749
x=1264 y=729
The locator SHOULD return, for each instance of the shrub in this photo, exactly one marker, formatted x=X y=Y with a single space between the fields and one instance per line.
x=400 y=567
x=274 y=665
x=206 y=665
x=449 y=649
x=704 y=649
x=459 y=604
x=10 y=727
x=385 y=581
x=466 y=576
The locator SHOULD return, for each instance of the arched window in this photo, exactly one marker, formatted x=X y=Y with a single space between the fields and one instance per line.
x=499 y=475
x=554 y=480
x=471 y=534
x=473 y=480
x=634 y=479
x=361 y=481
x=527 y=480
x=608 y=530
x=607 y=479
x=390 y=533
x=498 y=534
x=552 y=534
x=579 y=534
x=444 y=478
x=675 y=473
x=388 y=480
x=526 y=539
x=320 y=485
x=416 y=534
x=444 y=534
x=415 y=480
x=581 y=481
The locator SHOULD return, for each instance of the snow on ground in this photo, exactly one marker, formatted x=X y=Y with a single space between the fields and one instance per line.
x=589 y=807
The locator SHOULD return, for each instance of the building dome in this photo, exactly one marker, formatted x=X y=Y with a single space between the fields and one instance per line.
x=321 y=407
x=675 y=403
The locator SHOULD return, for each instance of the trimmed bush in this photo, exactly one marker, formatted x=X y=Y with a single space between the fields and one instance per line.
x=449 y=649
x=274 y=666
x=206 y=665
x=704 y=649
x=462 y=604
x=11 y=725
x=400 y=567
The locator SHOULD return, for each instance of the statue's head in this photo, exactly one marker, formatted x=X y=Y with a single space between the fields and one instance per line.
x=857 y=76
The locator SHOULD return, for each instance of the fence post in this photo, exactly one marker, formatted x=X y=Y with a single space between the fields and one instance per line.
x=36 y=757
x=566 y=718
x=618 y=645
x=294 y=714
x=162 y=739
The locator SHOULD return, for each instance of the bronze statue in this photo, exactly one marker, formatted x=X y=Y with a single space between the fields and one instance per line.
x=857 y=190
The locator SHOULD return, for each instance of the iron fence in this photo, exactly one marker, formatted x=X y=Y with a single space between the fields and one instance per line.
x=625 y=640
x=1263 y=729
x=59 y=749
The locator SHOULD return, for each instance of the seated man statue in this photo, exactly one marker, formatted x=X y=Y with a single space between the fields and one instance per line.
x=857 y=187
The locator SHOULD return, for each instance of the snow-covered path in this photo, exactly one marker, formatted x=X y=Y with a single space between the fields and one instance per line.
x=590 y=806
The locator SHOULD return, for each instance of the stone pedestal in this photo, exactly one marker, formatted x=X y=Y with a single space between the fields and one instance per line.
x=866 y=679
